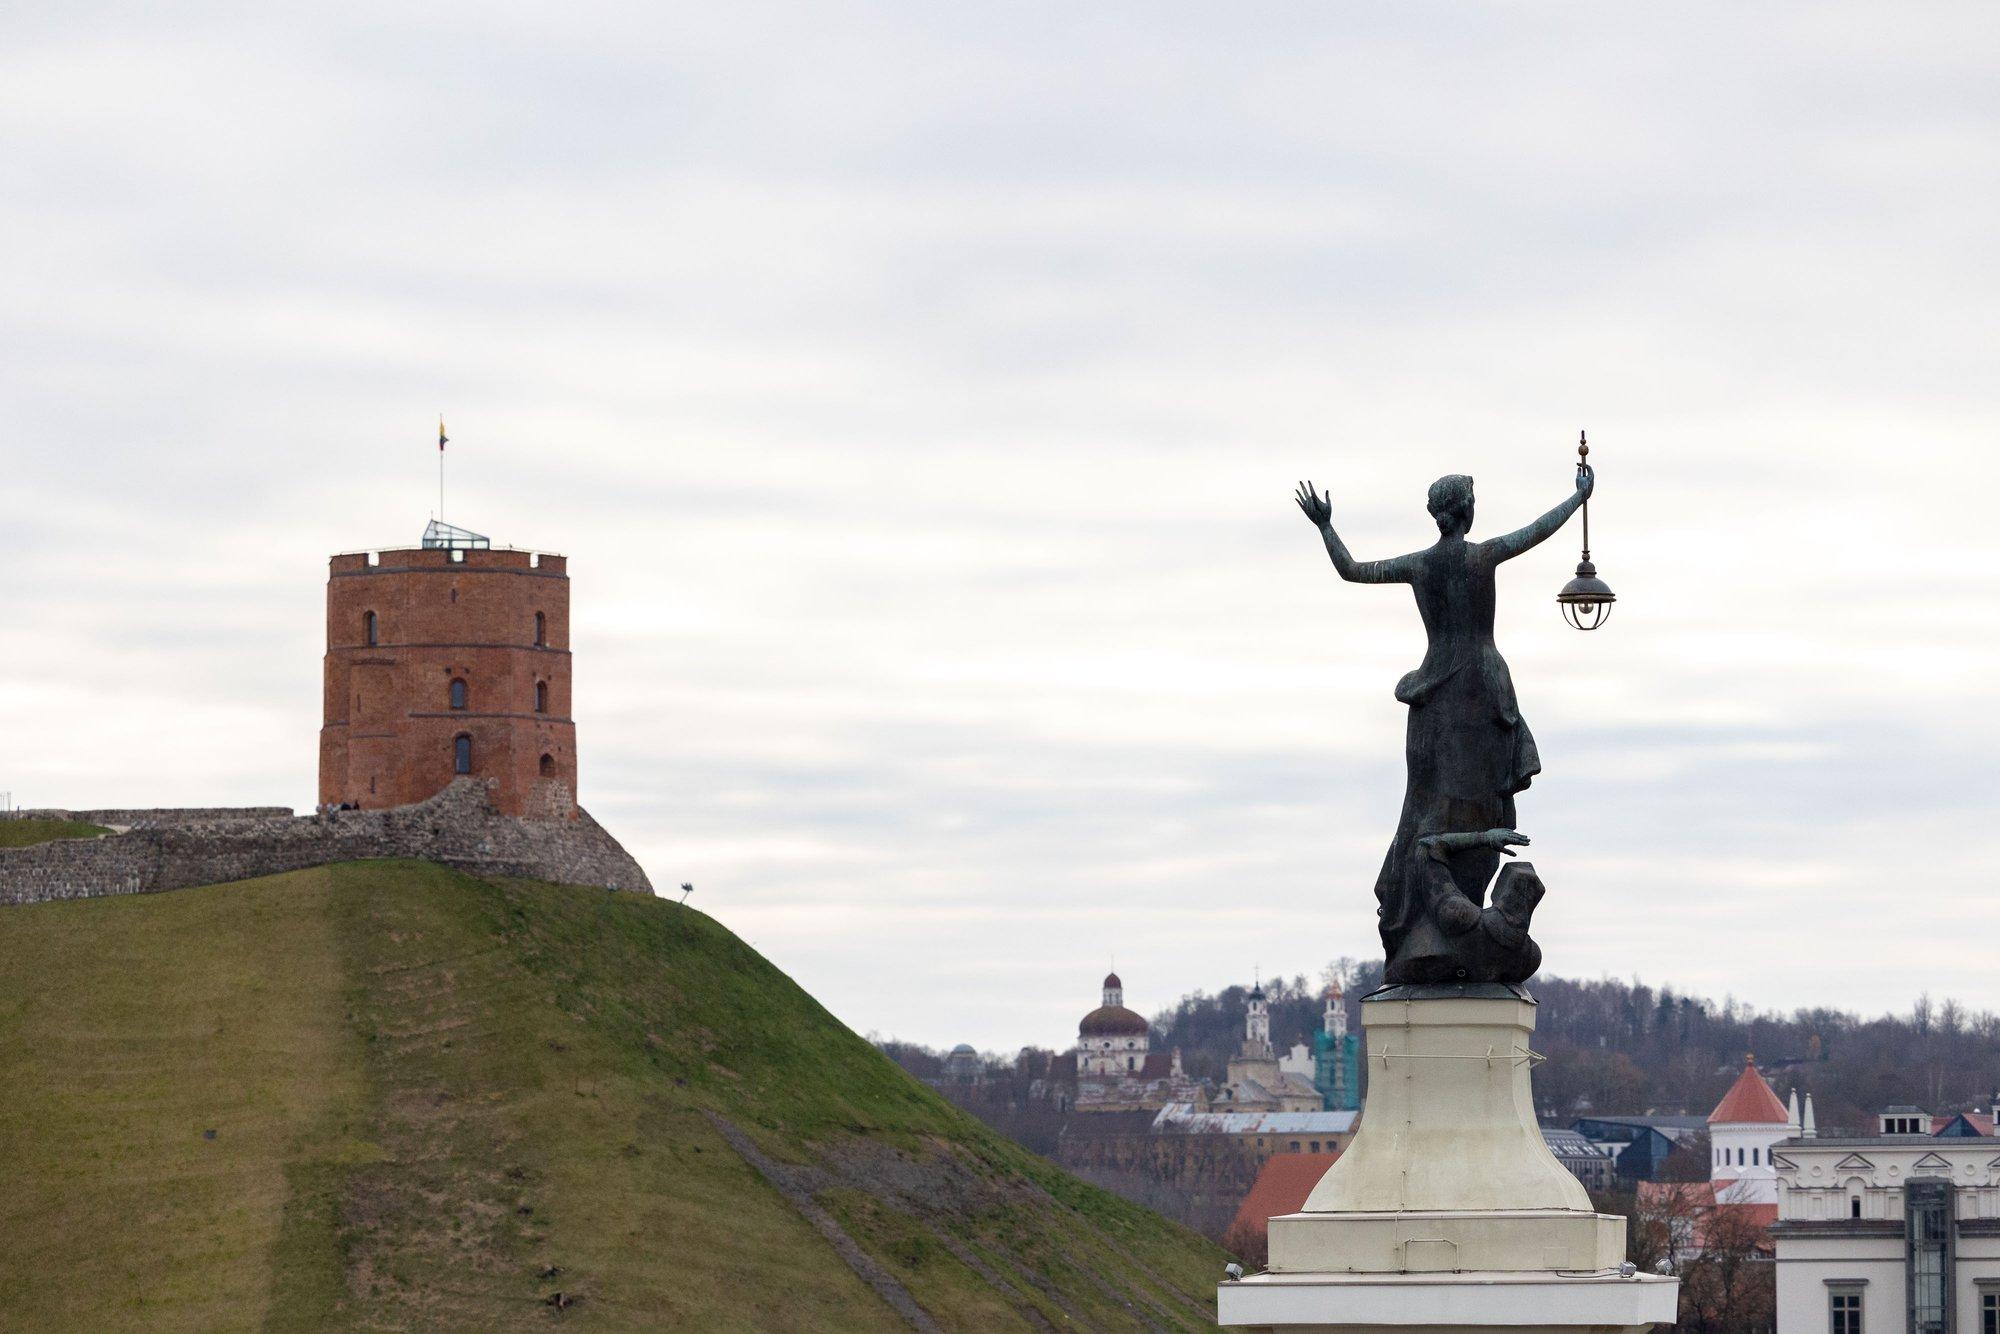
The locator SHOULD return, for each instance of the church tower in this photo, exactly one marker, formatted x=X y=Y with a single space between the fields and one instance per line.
x=1741 y=1131
x=445 y=660
x=1257 y=1028
x=1337 y=1057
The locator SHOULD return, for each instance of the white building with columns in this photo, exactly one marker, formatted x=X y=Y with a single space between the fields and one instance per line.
x=1894 y=1231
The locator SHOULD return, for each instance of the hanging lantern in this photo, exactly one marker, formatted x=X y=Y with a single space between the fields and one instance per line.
x=1586 y=600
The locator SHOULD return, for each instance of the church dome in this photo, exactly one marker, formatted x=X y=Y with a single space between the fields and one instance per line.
x=1111 y=980
x=1112 y=1021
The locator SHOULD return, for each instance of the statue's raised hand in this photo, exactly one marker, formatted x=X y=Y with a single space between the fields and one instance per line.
x=1314 y=505
x=1504 y=840
x=1586 y=481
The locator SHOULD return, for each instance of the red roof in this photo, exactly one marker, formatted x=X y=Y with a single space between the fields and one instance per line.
x=1281 y=1187
x=1702 y=1200
x=1750 y=1101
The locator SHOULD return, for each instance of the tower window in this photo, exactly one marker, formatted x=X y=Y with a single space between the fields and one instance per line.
x=548 y=766
x=1854 y=1211
x=541 y=697
x=541 y=630
x=461 y=754
x=1846 y=1312
x=458 y=693
x=369 y=629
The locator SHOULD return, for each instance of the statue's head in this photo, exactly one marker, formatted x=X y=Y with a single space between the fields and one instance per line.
x=1451 y=503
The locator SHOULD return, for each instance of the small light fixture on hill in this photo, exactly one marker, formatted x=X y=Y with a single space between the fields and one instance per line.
x=686 y=889
x=1586 y=600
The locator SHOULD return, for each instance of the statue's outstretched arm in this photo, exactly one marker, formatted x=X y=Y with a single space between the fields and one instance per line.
x=1395 y=570
x=1510 y=545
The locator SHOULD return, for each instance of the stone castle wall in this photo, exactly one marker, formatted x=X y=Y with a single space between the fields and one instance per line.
x=459 y=827
x=118 y=818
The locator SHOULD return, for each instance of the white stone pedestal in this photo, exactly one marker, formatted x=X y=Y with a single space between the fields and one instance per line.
x=1448 y=1212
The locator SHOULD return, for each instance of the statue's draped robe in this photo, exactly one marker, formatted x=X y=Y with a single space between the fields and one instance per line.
x=1467 y=749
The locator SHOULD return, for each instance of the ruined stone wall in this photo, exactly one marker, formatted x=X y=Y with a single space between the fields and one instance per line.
x=459 y=827
x=147 y=819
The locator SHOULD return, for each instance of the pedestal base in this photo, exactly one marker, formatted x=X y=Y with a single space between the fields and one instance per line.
x=1527 y=1301
x=1448 y=1212
x=1430 y=1241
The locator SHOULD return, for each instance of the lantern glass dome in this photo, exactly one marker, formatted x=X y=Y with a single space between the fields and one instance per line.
x=1586 y=600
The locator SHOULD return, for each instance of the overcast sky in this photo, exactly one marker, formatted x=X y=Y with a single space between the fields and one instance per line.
x=918 y=392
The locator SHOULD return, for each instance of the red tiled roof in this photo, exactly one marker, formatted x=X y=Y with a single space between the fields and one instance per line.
x=1701 y=1200
x=1763 y=1215
x=1750 y=1101
x=1979 y=1121
x=1281 y=1187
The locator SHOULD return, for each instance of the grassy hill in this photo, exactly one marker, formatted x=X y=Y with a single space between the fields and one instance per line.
x=385 y=1095
x=22 y=833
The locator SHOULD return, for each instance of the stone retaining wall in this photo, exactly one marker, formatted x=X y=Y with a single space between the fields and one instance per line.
x=459 y=827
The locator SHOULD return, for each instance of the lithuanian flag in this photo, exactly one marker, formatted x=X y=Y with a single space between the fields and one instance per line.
x=442 y=437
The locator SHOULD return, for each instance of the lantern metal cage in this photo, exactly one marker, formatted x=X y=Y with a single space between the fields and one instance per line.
x=1585 y=600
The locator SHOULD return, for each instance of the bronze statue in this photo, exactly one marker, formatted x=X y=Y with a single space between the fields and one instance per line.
x=1467 y=749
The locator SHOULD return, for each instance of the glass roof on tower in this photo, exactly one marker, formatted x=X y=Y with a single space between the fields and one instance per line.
x=443 y=535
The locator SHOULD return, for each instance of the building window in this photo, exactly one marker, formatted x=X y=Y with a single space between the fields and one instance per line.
x=548 y=766
x=1845 y=1309
x=541 y=697
x=458 y=693
x=541 y=630
x=1314 y=1146
x=370 y=629
x=1854 y=1211
x=1753 y=1156
x=461 y=754
x=1989 y=1313
x=1927 y=1228
x=1739 y=1157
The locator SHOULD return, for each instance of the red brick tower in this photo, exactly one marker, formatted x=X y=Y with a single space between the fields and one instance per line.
x=446 y=659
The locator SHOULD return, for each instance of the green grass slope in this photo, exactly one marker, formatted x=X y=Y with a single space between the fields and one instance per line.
x=23 y=833
x=388 y=1096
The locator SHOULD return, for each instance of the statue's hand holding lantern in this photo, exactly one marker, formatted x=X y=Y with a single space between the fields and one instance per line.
x=1586 y=600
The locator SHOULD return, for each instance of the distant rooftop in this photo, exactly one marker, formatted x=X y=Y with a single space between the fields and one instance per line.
x=444 y=536
x=1653 y=1122
x=1182 y=1117
x=1569 y=1142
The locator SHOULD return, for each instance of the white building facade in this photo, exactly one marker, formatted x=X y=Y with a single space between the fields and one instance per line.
x=1888 y=1233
